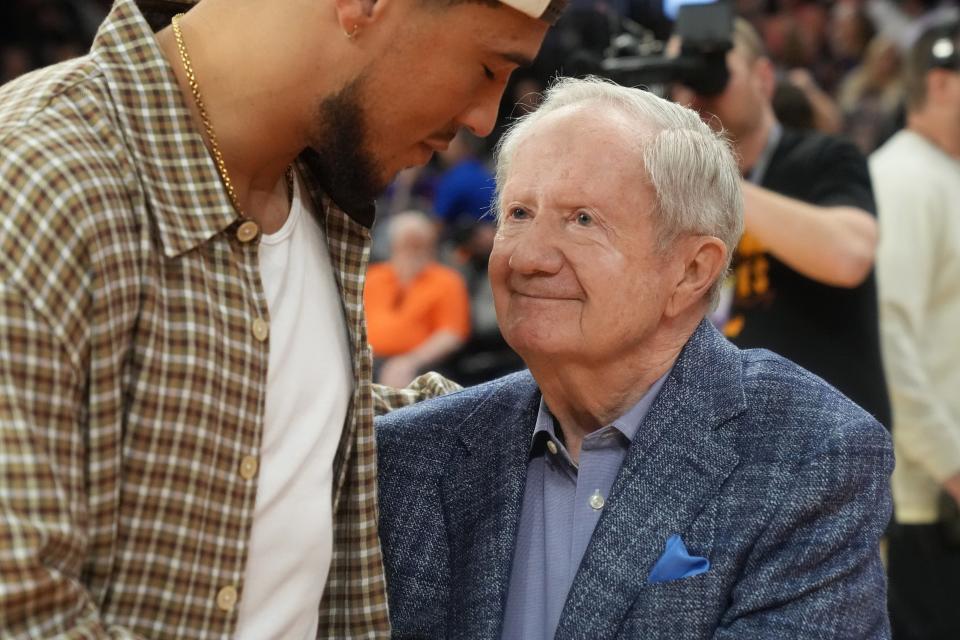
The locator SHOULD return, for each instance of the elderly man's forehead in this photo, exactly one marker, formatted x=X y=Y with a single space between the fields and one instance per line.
x=593 y=119
x=583 y=152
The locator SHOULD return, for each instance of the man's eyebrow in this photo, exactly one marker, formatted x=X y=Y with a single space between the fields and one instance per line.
x=516 y=58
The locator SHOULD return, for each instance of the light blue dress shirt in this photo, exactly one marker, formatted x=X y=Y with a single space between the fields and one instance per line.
x=562 y=504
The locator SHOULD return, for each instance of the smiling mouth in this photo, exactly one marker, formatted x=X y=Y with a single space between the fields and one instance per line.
x=544 y=297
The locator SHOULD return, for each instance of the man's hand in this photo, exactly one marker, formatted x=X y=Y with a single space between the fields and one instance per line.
x=399 y=371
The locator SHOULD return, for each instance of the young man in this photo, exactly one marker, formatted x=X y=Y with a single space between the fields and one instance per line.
x=917 y=180
x=186 y=438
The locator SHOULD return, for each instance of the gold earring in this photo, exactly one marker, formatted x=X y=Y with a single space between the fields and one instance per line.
x=353 y=33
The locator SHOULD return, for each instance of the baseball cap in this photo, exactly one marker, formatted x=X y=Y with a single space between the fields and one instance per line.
x=546 y=10
x=940 y=47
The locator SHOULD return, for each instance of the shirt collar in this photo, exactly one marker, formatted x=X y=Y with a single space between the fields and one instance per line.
x=628 y=424
x=178 y=176
x=177 y=173
x=759 y=169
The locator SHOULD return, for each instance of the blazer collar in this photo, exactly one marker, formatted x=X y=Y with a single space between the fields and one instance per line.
x=482 y=498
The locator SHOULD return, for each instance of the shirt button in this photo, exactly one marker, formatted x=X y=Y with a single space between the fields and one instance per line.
x=260 y=329
x=227 y=598
x=248 y=231
x=552 y=448
x=248 y=467
x=596 y=501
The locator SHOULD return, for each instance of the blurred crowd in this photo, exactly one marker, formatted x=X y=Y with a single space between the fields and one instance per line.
x=839 y=71
x=37 y=33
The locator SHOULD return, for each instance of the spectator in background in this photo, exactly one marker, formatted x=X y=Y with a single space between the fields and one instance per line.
x=804 y=284
x=917 y=179
x=418 y=311
x=792 y=108
x=825 y=115
x=871 y=95
x=849 y=32
x=464 y=191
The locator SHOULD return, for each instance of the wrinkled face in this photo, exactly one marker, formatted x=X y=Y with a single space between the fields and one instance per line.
x=740 y=106
x=575 y=270
x=437 y=69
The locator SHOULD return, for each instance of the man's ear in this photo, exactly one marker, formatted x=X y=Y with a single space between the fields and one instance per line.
x=704 y=257
x=354 y=15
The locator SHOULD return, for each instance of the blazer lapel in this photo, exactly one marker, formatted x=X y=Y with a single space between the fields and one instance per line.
x=678 y=461
x=483 y=495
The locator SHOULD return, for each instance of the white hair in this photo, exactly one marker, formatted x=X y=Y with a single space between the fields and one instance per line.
x=691 y=167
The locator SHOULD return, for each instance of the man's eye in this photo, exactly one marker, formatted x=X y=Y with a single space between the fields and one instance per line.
x=518 y=213
x=584 y=219
x=488 y=72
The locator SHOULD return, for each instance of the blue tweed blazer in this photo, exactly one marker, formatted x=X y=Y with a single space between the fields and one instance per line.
x=761 y=467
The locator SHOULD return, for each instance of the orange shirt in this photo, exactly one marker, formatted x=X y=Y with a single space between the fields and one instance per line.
x=400 y=320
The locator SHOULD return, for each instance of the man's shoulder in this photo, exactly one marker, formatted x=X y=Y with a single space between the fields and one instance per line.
x=63 y=92
x=58 y=143
x=794 y=412
x=805 y=151
x=909 y=161
x=64 y=196
x=820 y=169
x=805 y=144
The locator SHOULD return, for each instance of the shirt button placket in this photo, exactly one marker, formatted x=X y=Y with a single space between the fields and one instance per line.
x=248 y=467
x=227 y=598
x=248 y=231
x=260 y=329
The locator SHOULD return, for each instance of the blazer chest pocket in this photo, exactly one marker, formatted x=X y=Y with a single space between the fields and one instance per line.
x=681 y=608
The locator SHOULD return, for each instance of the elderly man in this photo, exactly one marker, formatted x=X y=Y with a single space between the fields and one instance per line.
x=645 y=478
x=186 y=411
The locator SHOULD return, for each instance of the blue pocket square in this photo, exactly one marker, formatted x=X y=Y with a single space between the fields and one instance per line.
x=676 y=563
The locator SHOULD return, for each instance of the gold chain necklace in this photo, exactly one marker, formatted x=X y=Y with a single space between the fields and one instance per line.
x=208 y=127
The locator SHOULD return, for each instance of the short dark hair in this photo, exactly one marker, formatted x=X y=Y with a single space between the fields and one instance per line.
x=937 y=48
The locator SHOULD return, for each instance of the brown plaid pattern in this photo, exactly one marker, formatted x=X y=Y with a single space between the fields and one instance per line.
x=131 y=383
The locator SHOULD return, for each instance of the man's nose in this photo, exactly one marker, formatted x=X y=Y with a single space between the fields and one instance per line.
x=481 y=116
x=535 y=251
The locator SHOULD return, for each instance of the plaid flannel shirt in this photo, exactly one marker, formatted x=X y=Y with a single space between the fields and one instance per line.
x=131 y=381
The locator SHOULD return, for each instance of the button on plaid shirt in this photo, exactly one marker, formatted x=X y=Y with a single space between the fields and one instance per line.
x=132 y=379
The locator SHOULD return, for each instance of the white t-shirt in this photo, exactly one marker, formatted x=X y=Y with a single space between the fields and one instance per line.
x=309 y=383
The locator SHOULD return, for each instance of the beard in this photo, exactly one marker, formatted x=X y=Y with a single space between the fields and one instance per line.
x=343 y=164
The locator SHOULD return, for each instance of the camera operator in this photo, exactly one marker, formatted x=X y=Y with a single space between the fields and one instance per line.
x=917 y=173
x=803 y=283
